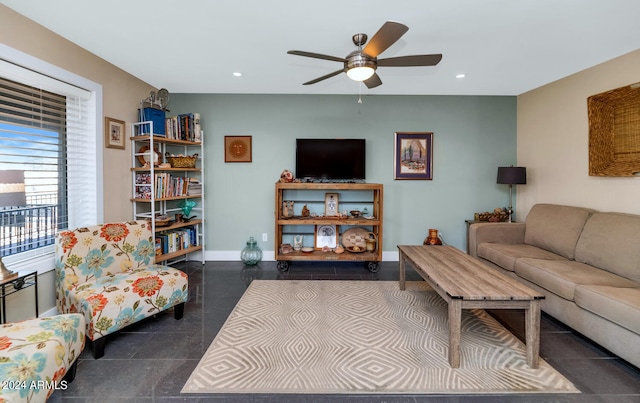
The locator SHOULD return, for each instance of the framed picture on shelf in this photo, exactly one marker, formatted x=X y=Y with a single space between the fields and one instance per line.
x=413 y=156
x=331 y=204
x=114 y=133
x=237 y=148
x=326 y=235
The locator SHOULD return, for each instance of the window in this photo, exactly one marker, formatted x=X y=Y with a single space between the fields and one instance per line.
x=33 y=196
x=50 y=164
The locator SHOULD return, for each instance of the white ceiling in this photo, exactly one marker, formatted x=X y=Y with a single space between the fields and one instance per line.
x=505 y=47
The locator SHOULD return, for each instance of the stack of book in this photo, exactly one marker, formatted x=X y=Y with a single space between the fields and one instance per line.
x=165 y=186
x=194 y=187
x=173 y=241
x=184 y=127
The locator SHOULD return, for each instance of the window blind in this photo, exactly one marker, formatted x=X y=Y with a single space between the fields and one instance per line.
x=46 y=132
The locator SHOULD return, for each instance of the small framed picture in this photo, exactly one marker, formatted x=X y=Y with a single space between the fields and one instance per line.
x=331 y=204
x=326 y=236
x=237 y=148
x=114 y=133
x=413 y=156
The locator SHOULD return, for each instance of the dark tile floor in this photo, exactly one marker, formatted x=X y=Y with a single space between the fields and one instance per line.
x=151 y=360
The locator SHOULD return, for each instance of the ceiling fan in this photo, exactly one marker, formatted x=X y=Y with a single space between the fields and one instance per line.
x=361 y=64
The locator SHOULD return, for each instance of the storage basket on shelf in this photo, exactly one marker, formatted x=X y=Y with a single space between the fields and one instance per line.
x=182 y=161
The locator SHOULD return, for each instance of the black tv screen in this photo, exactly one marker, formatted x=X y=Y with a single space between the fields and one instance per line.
x=330 y=159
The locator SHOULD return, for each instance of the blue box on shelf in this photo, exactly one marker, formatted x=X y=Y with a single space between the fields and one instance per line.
x=156 y=116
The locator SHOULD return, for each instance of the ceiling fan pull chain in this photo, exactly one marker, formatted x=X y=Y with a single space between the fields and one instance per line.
x=360 y=92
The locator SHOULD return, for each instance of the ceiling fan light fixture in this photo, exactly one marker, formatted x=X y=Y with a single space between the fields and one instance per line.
x=359 y=66
x=360 y=73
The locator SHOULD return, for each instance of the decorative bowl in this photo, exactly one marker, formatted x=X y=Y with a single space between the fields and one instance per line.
x=355 y=249
x=355 y=213
x=307 y=250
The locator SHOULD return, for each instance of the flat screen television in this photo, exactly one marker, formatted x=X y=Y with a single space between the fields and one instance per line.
x=330 y=159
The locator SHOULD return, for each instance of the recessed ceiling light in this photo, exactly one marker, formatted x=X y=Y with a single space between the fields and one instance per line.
x=462 y=75
x=237 y=74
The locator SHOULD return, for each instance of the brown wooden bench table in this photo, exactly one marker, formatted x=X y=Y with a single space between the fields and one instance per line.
x=466 y=283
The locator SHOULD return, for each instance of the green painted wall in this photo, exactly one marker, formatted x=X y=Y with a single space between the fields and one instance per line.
x=473 y=135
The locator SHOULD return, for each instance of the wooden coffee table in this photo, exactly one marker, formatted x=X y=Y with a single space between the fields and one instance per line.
x=466 y=283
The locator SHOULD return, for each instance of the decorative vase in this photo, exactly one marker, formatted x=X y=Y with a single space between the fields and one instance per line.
x=370 y=243
x=433 y=238
x=251 y=254
x=186 y=206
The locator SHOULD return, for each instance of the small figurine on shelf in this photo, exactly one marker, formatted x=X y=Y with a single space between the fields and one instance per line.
x=286 y=176
x=305 y=211
x=287 y=208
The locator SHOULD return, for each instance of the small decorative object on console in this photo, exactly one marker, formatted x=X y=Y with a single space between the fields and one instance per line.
x=286 y=176
x=305 y=211
x=287 y=208
x=433 y=238
x=498 y=215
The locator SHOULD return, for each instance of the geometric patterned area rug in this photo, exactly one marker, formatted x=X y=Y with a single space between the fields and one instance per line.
x=341 y=337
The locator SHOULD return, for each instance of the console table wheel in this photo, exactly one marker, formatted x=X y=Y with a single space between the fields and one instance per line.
x=373 y=267
x=283 y=265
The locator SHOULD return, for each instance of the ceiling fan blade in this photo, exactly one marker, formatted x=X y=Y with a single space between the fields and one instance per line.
x=316 y=55
x=373 y=81
x=335 y=73
x=410 y=61
x=386 y=36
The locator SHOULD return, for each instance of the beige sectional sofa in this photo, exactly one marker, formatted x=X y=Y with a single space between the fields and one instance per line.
x=587 y=264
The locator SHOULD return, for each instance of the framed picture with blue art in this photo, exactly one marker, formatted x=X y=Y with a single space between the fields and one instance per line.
x=413 y=155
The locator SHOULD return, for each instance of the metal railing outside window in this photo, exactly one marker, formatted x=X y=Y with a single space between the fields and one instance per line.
x=29 y=227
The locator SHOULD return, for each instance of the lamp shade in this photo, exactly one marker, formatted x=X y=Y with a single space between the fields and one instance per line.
x=512 y=175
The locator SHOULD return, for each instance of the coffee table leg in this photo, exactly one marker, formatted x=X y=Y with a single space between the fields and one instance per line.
x=532 y=332
x=455 y=323
x=402 y=271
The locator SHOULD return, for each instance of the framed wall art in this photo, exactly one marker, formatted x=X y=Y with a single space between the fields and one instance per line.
x=237 y=148
x=413 y=156
x=331 y=204
x=114 y=133
x=326 y=236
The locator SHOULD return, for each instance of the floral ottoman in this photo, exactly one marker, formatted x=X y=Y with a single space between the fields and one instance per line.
x=39 y=356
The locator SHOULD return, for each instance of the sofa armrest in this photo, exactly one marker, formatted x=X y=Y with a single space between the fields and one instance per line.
x=495 y=232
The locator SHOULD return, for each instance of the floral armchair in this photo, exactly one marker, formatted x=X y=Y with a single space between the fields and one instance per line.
x=107 y=273
x=39 y=356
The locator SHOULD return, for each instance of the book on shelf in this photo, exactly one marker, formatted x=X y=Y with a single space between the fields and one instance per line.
x=142 y=186
x=185 y=126
x=176 y=240
x=165 y=185
x=194 y=188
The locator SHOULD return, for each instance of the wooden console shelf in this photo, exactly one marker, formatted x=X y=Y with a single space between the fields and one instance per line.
x=350 y=196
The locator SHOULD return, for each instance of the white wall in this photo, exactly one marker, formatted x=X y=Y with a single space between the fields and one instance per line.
x=553 y=142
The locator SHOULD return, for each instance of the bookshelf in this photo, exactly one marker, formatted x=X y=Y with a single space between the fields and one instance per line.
x=167 y=178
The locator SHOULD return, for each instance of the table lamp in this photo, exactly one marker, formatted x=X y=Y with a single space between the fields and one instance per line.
x=512 y=176
x=5 y=273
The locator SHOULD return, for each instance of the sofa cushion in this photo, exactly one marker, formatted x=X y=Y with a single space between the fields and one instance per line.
x=619 y=305
x=555 y=228
x=110 y=303
x=505 y=256
x=611 y=242
x=562 y=277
